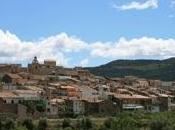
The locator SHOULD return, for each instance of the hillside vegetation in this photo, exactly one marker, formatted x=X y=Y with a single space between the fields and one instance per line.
x=123 y=121
x=150 y=69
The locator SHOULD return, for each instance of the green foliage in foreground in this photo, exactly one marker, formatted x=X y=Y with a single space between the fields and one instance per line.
x=33 y=106
x=123 y=121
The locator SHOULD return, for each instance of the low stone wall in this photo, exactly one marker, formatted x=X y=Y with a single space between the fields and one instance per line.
x=15 y=109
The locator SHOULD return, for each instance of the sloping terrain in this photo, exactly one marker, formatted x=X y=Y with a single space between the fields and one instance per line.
x=150 y=69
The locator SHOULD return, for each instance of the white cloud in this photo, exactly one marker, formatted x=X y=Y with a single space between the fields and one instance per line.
x=172 y=3
x=142 y=47
x=84 y=63
x=13 y=49
x=138 y=5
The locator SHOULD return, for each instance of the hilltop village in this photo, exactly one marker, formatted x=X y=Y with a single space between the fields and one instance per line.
x=54 y=91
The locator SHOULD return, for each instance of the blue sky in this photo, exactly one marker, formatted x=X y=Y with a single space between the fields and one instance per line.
x=104 y=27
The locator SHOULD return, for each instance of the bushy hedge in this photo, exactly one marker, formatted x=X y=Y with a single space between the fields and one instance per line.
x=123 y=121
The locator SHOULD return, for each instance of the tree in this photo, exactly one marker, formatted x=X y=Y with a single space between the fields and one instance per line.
x=9 y=124
x=41 y=106
x=28 y=124
x=30 y=106
x=21 y=128
x=158 y=125
x=42 y=125
x=66 y=123
x=68 y=128
x=86 y=124
x=125 y=121
x=0 y=124
x=108 y=123
x=77 y=124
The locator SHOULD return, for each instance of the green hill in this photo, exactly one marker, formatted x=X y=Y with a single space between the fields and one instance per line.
x=150 y=69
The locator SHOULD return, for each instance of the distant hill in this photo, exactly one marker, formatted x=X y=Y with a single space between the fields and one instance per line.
x=150 y=69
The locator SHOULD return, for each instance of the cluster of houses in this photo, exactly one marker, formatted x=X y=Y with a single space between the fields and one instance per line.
x=75 y=91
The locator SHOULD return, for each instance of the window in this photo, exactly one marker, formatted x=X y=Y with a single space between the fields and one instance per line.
x=48 y=109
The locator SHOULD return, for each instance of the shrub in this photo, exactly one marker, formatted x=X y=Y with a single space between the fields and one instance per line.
x=68 y=128
x=42 y=125
x=9 y=124
x=28 y=124
x=21 y=128
x=41 y=106
x=66 y=123
x=158 y=125
x=86 y=124
x=108 y=123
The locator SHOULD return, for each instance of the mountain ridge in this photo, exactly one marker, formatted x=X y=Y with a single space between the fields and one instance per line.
x=143 y=68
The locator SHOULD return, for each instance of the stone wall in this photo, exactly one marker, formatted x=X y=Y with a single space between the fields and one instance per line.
x=16 y=109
